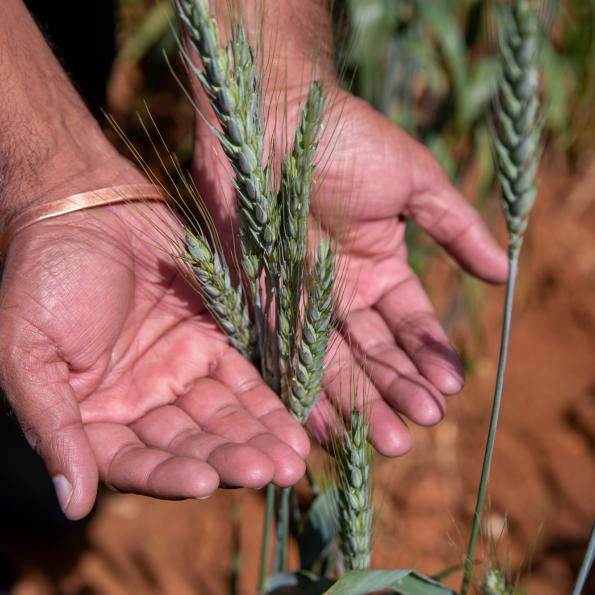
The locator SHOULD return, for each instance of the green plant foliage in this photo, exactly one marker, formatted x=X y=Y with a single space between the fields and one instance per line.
x=320 y=529
x=357 y=582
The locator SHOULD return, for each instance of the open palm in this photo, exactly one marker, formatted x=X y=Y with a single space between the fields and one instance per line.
x=116 y=371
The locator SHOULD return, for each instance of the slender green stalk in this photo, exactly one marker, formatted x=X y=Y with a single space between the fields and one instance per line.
x=266 y=538
x=282 y=535
x=489 y=449
x=583 y=574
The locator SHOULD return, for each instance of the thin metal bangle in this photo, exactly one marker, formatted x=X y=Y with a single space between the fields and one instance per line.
x=77 y=202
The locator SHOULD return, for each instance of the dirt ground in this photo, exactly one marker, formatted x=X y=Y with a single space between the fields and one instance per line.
x=542 y=492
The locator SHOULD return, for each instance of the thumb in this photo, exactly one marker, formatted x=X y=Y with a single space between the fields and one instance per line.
x=35 y=381
x=446 y=216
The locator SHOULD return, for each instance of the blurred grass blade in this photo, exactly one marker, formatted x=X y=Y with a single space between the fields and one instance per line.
x=282 y=532
x=357 y=582
x=153 y=28
x=402 y=582
x=320 y=529
x=297 y=583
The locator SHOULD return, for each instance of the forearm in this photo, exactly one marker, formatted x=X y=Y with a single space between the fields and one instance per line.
x=50 y=145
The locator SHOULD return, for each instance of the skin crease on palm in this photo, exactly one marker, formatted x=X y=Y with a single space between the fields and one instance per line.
x=116 y=372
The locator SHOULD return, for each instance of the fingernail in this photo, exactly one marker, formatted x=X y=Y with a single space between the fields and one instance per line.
x=63 y=491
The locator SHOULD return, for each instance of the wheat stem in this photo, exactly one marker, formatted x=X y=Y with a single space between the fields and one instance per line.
x=266 y=537
x=517 y=143
x=489 y=448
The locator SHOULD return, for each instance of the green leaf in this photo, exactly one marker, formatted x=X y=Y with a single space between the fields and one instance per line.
x=440 y=19
x=401 y=582
x=320 y=529
x=297 y=583
x=357 y=582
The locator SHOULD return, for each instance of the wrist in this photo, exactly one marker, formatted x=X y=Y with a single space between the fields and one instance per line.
x=63 y=174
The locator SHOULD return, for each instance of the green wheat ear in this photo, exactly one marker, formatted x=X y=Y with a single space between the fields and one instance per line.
x=305 y=376
x=224 y=301
x=229 y=79
x=518 y=129
x=294 y=197
x=353 y=460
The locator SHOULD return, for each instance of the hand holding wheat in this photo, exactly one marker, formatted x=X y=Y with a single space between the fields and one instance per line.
x=374 y=177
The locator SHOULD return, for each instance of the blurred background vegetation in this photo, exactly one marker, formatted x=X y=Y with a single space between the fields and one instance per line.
x=429 y=65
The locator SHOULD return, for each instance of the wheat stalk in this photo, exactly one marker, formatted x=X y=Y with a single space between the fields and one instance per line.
x=273 y=232
x=517 y=139
x=224 y=301
x=294 y=198
x=229 y=80
x=353 y=460
x=304 y=383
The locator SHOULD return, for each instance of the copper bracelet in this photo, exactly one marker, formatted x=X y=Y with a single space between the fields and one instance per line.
x=77 y=202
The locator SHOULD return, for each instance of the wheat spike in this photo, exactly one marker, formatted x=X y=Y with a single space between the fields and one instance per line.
x=518 y=129
x=294 y=198
x=305 y=380
x=353 y=460
x=230 y=81
x=224 y=301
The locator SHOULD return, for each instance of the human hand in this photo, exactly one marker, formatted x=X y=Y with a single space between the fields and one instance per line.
x=374 y=177
x=380 y=176
x=116 y=371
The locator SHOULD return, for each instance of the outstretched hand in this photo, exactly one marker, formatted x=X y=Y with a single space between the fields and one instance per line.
x=116 y=371
x=380 y=176
x=373 y=177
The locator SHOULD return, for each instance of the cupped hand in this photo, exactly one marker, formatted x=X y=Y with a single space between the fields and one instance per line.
x=372 y=177
x=116 y=371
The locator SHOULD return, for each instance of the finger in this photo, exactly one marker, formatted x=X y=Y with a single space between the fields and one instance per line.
x=347 y=386
x=36 y=384
x=126 y=464
x=408 y=313
x=391 y=371
x=442 y=211
x=217 y=410
x=172 y=430
x=247 y=384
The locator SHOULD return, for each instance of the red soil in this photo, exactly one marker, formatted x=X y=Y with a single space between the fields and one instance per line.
x=542 y=488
